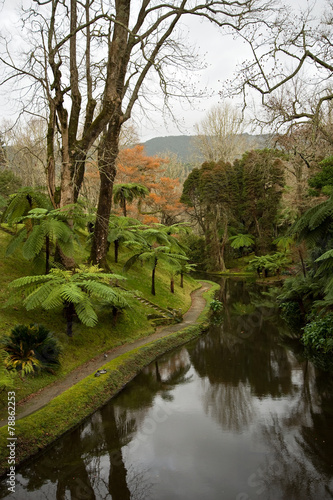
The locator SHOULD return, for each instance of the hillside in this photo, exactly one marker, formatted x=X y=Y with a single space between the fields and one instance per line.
x=183 y=147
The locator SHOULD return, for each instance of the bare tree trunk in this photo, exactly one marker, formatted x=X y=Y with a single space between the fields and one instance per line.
x=69 y=314
x=50 y=169
x=47 y=255
x=108 y=153
x=153 y=291
x=223 y=244
x=116 y=250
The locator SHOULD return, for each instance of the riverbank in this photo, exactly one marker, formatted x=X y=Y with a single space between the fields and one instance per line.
x=40 y=428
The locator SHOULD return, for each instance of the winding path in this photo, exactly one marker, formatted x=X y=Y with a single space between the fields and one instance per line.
x=41 y=398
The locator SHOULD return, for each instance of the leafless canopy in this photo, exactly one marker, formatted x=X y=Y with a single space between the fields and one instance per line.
x=291 y=66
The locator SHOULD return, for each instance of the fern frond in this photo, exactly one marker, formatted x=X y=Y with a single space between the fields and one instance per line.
x=326 y=255
x=57 y=230
x=38 y=297
x=71 y=292
x=86 y=313
x=16 y=241
x=67 y=247
x=131 y=261
x=28 y=280
x=106 y=293
x=34 y=243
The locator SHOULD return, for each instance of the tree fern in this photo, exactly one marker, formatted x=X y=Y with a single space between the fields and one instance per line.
x=77 y=288
x=126 y=193
x=48 y=227
x=21 y=202
x=241 y=240
x=30 y=348
x=315 y=222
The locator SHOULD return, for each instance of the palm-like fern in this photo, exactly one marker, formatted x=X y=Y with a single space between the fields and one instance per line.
x=156 y=246
x=315 y=223
x=283 y=243
x=126 y=193
x=122 y=229
x=241 y=240
x=22 y=202
x=43 y=228
x=76 y=291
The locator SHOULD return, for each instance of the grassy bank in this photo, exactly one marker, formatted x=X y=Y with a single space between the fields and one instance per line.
x=39 y=430
x=87 y=342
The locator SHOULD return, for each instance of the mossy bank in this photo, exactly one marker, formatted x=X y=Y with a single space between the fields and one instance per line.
x=69 y=409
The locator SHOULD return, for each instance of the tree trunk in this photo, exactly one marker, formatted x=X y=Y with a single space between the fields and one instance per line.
x=117 y=483
x=223 y=244
x=157 y=372
x=153 y=291
x=108 y=152
x=172 y=285
x=116 y=250
x=181 y=280
x=47 y=255
x=302 y=261
x=69 y=314
x=50 y=169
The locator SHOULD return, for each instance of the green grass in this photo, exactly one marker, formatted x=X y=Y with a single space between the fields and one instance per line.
x=87 y=342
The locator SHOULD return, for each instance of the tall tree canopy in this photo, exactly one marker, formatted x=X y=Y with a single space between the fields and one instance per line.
x=243 y=197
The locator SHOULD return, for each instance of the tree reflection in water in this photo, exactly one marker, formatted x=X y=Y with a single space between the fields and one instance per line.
x=266 y=414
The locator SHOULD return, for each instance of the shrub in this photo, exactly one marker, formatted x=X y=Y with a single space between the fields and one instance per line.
x=31 y=349
x=269 y=263
x=216 y=305
x=318 y=335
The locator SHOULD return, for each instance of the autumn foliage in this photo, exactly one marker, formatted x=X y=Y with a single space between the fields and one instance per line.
x=162 y=204
x=133 y=166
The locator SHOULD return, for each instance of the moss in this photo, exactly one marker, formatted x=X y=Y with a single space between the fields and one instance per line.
x=66 y=411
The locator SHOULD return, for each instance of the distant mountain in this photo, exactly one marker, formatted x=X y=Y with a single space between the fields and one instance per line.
x=183 y=146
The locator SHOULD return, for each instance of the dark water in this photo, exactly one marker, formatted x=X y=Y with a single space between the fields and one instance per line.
x=235 y=415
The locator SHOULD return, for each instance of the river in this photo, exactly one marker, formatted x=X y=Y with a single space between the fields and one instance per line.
x=236 y=415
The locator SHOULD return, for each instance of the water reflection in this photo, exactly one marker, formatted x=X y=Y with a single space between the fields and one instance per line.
x=233 y=415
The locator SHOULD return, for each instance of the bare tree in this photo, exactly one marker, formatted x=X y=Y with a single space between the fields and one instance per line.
x=218 y=135
x=291 y=68
x=91 y=62
x=26 y=151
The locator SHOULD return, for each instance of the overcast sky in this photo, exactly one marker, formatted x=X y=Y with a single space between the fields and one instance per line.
x=222 y=54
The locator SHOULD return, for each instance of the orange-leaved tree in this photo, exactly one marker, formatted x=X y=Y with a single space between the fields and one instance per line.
x=162 y=203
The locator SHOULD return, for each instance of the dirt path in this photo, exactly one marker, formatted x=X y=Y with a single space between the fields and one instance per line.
x=39 y=399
